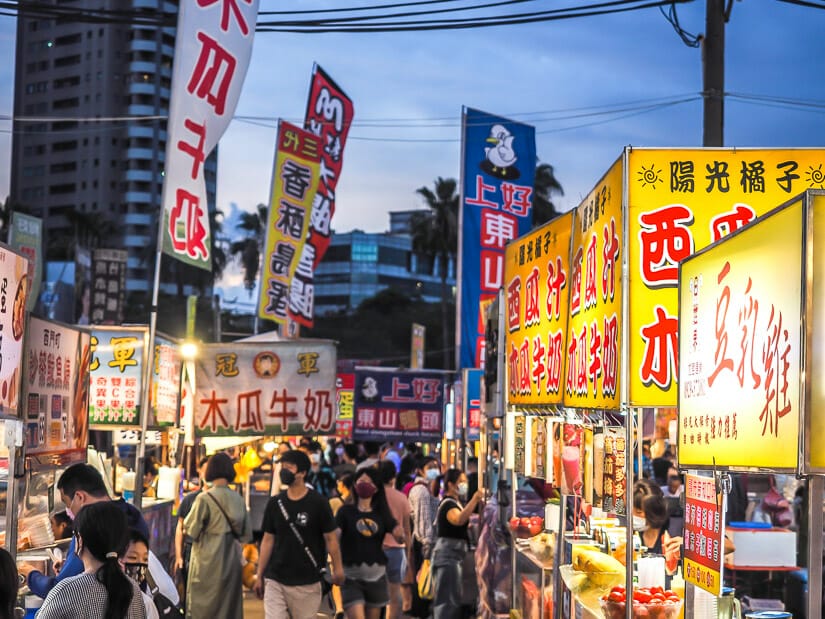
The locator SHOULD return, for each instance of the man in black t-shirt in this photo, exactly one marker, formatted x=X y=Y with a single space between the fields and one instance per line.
x=288 y=580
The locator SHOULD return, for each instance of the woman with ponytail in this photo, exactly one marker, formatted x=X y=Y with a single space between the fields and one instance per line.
x=102 y=591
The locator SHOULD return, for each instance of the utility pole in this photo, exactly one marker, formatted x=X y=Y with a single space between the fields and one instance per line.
x=713 y=73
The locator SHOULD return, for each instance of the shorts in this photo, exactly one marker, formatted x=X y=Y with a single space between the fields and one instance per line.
x=395 y=564
x=370 y=593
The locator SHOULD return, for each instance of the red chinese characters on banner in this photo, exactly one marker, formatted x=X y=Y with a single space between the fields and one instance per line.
x=665 y=239
x=764 y=349
x=211 y=58
x=727 y=223
x=661 y=349
x=592 y=348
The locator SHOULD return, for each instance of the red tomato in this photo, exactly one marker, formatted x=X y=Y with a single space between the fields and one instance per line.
x=616 y=596
x=641 y=595
x=655 y=590
x=514 y=522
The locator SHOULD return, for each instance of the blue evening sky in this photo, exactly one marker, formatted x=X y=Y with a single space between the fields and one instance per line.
x=409 y=87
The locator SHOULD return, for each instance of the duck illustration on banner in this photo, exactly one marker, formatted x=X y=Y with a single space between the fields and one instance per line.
x=501 y=156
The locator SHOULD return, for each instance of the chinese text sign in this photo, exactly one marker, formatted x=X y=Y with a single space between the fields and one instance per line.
x=14 y=290
x=51 y=389
x=166 y=383
x=329 y=116
x=294 y=183
x=26 y=236
x=704 y=535
x=344 y=397
x=499 y=161
x=592 y=358
x=614 y=482
x=117 y=358
x=108 y=292
x=273 y=388
x=536 y=286
x=472 y=403
x=213 y=45
x=404 y=405
x=680 y=201
x=740 y=345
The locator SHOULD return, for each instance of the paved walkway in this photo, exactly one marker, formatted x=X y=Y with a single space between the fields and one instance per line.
x=253 y=608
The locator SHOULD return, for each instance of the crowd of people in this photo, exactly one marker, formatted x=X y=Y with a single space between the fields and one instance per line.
x=360 y=521
x=352 y=523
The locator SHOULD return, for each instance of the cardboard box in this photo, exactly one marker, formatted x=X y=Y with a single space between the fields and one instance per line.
x=762 y=548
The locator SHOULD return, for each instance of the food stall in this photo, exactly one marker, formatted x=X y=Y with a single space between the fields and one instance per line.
x=54 y=414
x=756 y=406
x=651 y=210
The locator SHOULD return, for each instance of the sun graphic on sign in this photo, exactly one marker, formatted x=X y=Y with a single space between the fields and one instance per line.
x=815 y=176
x=649 y=176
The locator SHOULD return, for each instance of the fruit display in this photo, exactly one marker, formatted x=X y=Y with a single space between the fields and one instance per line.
x=591 y=575
x=648 y=603
x=527 y=526
x=543 y=546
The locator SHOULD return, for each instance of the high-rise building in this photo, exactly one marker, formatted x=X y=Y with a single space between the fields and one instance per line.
x=358 y=265
x=90 y=107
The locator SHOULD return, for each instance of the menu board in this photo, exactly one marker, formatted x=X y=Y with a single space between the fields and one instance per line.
x=614 y=485
x=52 y=388
x=165 y=382
x=704 y=537
x=118 y=355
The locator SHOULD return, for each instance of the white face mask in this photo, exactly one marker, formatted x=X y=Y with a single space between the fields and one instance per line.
x=639 y=523
x=316 y=458
x=463 y=488
x=432 y=474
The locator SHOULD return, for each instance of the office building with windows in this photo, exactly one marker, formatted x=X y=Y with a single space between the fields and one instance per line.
x=358 y=265
x=90 y=107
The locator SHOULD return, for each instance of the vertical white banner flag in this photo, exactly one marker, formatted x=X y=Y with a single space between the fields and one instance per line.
x=212 y=51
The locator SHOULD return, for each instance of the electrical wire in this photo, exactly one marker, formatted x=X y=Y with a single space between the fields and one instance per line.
x=691 y=40
x=620 y=6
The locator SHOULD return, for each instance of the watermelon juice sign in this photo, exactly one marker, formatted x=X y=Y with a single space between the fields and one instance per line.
x=398 y=405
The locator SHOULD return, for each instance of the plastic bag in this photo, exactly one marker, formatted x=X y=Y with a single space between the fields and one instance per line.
x=425 y=581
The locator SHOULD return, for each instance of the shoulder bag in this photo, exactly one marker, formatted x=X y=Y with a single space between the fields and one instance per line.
x=235 y=534
x=326 y=585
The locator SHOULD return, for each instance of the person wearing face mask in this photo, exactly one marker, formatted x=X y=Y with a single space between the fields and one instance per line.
x=81 y=485
x=101 y=590
x=650 y=519
x=135 y=563
x=362 y=527
x=452 y=520
x=423 y=495
x=320 y=476
x=289 y=568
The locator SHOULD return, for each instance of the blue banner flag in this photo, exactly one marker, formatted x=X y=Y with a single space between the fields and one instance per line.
x=498 y=167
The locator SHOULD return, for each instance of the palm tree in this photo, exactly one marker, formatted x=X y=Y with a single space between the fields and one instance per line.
x=249 y=248
x=435 y=233
x=545 y=186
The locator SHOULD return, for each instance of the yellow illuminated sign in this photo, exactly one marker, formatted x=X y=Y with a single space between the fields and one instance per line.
x=740 y=343
x=537 y=285
x=592 y=359
x=680 y=201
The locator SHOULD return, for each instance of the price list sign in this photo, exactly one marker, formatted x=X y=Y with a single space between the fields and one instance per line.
x=704 y=534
